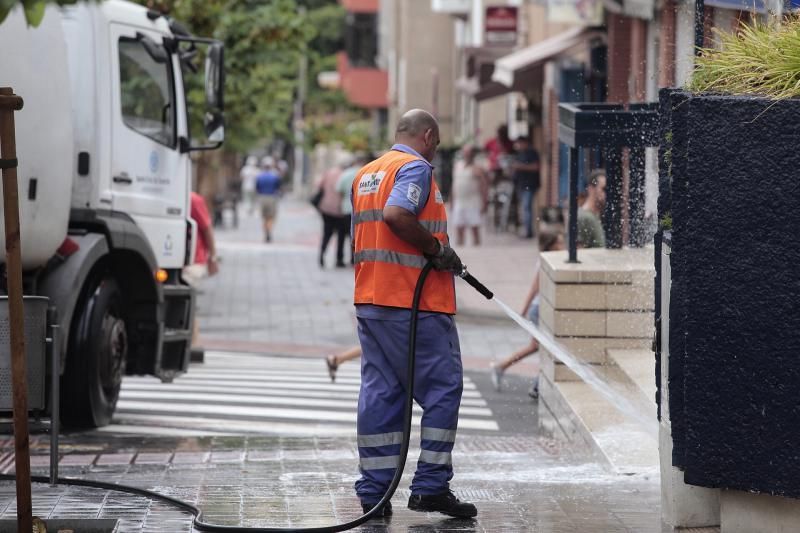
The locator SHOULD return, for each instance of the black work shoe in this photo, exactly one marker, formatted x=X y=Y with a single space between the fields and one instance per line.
x=445 y=503
x=386 y=511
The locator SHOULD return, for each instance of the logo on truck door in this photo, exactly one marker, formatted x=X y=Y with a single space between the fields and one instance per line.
x=153 y=161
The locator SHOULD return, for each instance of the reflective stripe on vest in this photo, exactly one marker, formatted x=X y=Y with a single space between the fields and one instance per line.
x=388 y=256
x=376 y=215
x=387 y=267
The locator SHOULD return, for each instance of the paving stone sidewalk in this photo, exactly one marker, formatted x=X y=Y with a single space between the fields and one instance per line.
x=524 y=483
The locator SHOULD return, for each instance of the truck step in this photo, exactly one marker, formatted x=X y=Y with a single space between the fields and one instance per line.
x=177 y=335
x=176 y=291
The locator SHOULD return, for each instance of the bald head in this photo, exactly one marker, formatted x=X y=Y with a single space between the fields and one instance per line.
x=418 y=129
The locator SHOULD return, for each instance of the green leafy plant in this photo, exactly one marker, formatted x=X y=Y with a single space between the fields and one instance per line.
x=666 y=221
x=34 y=9
x=759 y=59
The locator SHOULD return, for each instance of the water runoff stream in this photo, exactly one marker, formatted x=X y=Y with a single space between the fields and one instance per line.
x=584 y=371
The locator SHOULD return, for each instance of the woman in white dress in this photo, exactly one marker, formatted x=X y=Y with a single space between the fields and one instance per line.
x=468 y=196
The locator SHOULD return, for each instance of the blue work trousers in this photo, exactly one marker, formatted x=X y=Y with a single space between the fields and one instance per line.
x=438 y=383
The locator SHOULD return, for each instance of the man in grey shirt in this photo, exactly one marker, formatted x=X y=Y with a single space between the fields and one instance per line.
x=590 y=228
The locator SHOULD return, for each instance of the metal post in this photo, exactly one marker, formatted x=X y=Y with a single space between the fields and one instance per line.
x=55 y=409
x=573 y=205
x=612 y=216
x=19 y=381
x=699 y=26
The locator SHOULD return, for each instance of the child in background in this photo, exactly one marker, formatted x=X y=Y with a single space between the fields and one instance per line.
x=548 y=241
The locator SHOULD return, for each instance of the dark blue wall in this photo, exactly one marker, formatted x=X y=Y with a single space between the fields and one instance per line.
x=735 y=303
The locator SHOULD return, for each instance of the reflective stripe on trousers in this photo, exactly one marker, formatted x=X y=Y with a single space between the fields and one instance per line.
x=396 y=437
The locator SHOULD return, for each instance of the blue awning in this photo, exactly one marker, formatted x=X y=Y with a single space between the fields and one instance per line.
x=756 y=6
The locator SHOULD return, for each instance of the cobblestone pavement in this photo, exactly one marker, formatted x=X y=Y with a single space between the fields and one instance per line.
x=519 y=483
x=258 y=436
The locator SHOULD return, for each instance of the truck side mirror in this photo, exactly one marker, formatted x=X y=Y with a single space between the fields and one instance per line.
x=214 y=125
x=215 y=77
x=213 y=119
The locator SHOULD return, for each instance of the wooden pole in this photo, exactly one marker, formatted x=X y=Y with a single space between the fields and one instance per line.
x=19 y=381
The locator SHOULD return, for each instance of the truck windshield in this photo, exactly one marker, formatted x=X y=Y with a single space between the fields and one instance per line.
x=146 y=93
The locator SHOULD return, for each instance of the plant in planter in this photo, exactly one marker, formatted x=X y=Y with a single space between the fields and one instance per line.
x=730 y=188
x=759 y=60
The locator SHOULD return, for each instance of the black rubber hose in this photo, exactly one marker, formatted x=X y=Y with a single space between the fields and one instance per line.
x=198 y=523
x=477 y=285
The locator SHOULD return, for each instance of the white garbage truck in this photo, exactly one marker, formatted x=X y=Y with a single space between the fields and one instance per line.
x=104 y=143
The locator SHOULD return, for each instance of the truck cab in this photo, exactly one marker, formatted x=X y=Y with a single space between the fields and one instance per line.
x=107 y=231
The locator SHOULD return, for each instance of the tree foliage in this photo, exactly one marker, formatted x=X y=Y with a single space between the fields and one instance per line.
x=34 y=9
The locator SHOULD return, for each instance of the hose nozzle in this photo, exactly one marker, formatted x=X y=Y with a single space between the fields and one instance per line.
x=477 y=285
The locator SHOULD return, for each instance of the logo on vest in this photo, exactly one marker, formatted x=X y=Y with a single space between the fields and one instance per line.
x=439 y=199
x=370 y=183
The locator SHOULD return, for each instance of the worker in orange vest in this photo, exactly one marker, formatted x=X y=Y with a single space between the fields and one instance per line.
x=399 y=224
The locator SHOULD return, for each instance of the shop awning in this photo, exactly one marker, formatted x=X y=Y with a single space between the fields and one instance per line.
x=508 y=68
x=480 y=91
x=477 y=79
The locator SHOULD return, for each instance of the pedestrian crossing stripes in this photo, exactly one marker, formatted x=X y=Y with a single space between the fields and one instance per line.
x=234 y=393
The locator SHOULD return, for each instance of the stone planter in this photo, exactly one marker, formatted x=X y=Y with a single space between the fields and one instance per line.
x=729 y=181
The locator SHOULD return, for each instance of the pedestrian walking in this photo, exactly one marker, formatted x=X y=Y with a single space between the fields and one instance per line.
x=590 y=226
x=268 y=187
x=548 y=241
x=344 y=187
x=469 y=196
x=526 y=181
x=248 y=175
x=234 y=197
x=400 y=224
x=500 y=154
x=496 y=149
x=333 y=219
x=206 y=262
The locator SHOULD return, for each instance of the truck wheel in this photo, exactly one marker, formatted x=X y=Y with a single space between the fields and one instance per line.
x=98 y=348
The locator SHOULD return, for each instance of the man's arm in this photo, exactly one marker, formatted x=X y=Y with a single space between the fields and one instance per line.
x=404 y=224
x=407 y=199
x=208 y=236
x=204 y=228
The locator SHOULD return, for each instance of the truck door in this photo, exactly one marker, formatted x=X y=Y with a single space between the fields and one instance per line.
x=149 y=174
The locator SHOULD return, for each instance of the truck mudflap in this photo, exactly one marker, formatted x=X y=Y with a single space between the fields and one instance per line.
x=176 y=332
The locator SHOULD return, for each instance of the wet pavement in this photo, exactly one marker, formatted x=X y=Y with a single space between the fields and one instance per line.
x=519 y=483
x=258 y=436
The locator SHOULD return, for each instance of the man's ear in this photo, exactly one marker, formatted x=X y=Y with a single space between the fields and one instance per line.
x=427 y=136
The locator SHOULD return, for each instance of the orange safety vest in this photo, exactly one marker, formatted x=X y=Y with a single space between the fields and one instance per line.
x=387 y=267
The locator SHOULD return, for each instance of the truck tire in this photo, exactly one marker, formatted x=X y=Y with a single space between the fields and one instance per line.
x=96 y=355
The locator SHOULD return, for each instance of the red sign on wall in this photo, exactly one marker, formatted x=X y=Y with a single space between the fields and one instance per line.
x=501 y=25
